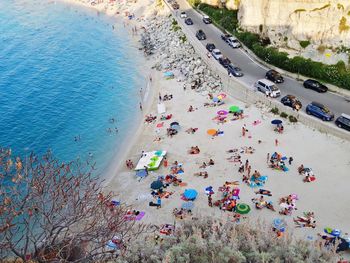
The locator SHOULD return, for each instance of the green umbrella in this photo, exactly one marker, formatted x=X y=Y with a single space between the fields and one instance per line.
x=234 y=109
x=242 y=209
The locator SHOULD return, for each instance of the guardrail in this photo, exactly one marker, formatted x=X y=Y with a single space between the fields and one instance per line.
x=241 y=91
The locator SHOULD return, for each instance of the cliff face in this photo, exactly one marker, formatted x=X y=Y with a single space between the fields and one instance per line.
x=286 y=22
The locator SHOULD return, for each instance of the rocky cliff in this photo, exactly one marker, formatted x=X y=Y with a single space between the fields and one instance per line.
x=286 y=22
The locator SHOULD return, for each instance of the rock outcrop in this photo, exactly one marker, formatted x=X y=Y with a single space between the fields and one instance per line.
x=322 y=22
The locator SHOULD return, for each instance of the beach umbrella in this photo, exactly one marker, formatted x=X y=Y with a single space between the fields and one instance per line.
x=190 y=194
x=187 y=205
x=156 y=185
x=158 y=153
x=141 y=173
x=242 y=209
x=276 y=122
x=211 y=132
x=222 y=95
x=234 y=109
x=216 y=99
x=222 y=112
x=168 y=74
x=174 y=123
x=279 y=224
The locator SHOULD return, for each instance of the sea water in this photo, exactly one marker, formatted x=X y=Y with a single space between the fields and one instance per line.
x=69 y=81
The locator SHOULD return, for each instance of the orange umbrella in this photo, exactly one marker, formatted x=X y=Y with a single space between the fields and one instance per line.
x=211 y=132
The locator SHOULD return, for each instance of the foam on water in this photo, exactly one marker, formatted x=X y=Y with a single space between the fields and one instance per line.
x=65 y=72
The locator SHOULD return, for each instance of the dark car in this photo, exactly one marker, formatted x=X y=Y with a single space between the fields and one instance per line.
x=207 y=20
x=235 y=71
x=291 y=101
x=188 y=21
x=319 y=111
x=343 y=121
x=224 y=61
x=274 y=76
x=201 y=35
x=315 y=85
x=225 y=37
x=210 y=47
x=175 y=5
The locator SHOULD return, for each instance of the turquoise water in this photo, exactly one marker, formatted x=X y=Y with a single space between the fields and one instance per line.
x=65 y=73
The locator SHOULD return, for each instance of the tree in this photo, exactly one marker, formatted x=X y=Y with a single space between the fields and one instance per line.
x=53 y=211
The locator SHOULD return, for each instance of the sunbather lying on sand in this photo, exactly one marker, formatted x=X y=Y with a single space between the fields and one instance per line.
x=194 y=150
x=204 y=174
x=191 y=130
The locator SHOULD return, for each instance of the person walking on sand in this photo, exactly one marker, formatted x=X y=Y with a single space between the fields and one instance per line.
x=246 y=164
x=159 y=202
x=140 y=106
x=276 y=142
x=290 y=160
x=150 y=78
x=268 y=158
x=243 y=131
x=160 y=97
x=165 y=162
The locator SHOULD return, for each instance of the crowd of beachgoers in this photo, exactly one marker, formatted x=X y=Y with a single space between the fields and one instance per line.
x=225 y=158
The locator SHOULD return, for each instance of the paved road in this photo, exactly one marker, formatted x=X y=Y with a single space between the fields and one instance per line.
x=254 y=71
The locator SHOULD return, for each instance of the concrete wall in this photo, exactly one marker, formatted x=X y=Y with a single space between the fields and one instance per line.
x=239 y=90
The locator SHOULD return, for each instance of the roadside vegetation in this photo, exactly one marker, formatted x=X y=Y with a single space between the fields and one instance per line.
x=337 y=74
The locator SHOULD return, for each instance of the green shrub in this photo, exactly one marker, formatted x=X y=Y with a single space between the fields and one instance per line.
x=210 y=240
x=221 y=16
x=304 y=43
x=183 y=38
x=275 y=110
x=292 y=119
x=283 y=114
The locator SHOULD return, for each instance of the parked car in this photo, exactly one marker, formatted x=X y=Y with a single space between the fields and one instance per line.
x=319 y=111
x=267 y=87
x=235 y=71
x=210 y=47
x=207 y=20
x=183 y=15
x=201 y=35
x=343 y=121
x=233 y=42
x=175 y=5
x=291 y=101
x=188 y=21
x=315 y=85
x=224 y=61
x=216 y=54
x=225 y=37
x=274 y=76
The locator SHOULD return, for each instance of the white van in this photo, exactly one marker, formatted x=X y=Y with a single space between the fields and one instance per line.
x=267 y=87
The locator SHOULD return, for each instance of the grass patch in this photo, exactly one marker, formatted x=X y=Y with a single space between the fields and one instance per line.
x=304 y=43
x=283 y=114
x=343 y=25
x=292 y=119
x=321 y=8
x=275 y=111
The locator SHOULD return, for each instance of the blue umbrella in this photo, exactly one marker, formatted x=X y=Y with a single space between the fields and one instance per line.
x=175 y=127
x=190 y=194
x=187 y=205
x=141 y=173
x=215 y=99
x=279 y=224
x=276 y=122
x=168 y=74
x=156 y=185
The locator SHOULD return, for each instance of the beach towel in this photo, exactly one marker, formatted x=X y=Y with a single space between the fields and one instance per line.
x=160 y=125
x=134 y=217
x=183 y=184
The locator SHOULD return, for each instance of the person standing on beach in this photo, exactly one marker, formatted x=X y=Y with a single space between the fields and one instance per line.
x=268 y=158
x=165 y=162
x=246 y=164
x=276 y=142
x=210 y=201
x=159 y=202
x=140 y=106
x=243 y=131
x=160 y=97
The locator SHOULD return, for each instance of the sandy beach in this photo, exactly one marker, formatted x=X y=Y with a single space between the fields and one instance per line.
x=328 y=156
